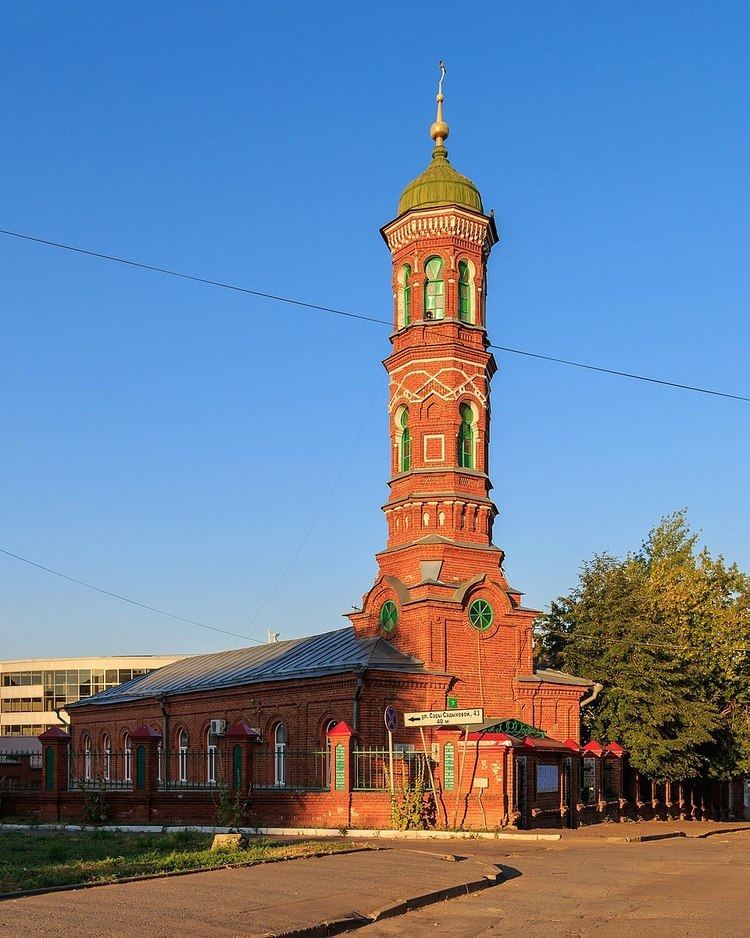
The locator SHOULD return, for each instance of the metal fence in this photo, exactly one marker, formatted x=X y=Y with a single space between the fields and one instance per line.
x=281 y=768
x=372 y=769
x=195 y=769
x=187 y=768
x=92 y=768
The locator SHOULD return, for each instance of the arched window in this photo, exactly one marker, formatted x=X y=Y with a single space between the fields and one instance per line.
x=210 y=757
x=464 y=292
x=182 y=756
x=88 y=757
x=128 y=746
x=466 y=437
x=279 y=755
x=434 y=289
x=107 y=748
x=405 y=295
x=404 y=442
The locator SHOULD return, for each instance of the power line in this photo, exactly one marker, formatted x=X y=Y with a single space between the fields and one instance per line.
x=541 y=631
x=360 y=316
x=125 y=599
x=134 y=602
x=183 y=276
x=237 y=635
x=620 y=374
x=322 y=508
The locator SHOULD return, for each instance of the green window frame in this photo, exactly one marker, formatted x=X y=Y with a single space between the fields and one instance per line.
x=481 y=615
x=464 y=292
x=140 y=768
x=406 y=295
x=466 y=437
x=434 y=289
x=405 y=448
x=49 y=768
x=237 y=766
x=388 y=617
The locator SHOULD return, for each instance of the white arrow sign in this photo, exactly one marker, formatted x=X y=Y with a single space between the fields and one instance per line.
x=445 y=717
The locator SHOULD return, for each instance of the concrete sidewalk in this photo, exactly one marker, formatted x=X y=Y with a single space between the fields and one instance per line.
x=275 y=899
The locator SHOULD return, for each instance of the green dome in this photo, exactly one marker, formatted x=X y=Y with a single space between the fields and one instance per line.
x=440 y=184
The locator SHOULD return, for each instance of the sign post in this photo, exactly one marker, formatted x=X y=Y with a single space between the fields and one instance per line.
x=390 y=718
x=429 y=767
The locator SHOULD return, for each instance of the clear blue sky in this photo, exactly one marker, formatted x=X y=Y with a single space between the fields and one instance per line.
x=173 y=442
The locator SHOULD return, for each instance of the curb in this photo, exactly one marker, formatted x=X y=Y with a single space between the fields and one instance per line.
x=308 y=832
x=727 y=830
x=355 y=920
x=645 y=838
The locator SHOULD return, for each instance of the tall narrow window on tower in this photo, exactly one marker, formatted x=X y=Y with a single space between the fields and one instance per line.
x=464 y=292
x=405 y=442
x=434 y=289
x=466 y=437
x=405 y=297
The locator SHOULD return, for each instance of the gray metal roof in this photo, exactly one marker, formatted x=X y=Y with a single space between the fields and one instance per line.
x=313 y=656
x=550 y=676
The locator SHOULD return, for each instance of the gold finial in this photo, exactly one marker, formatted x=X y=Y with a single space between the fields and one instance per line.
x=439 y=130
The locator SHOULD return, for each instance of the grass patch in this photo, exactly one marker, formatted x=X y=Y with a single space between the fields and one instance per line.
x=37 y=859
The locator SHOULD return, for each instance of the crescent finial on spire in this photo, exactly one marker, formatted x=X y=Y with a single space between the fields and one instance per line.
x=439 y=130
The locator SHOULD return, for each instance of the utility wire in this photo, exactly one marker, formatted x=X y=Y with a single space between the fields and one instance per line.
x=236 y=635
x=183 y=276
x=317 y=517
x=351 y=315
x=571 y=637
x=125 y=599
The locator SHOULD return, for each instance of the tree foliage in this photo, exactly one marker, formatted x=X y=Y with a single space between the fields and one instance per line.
x=666 y=630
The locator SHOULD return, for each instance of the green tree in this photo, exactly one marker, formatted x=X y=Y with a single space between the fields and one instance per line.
x=666 y=630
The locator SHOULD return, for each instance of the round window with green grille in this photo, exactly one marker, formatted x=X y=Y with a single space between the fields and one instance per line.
x=480 y=614
x=388 y=616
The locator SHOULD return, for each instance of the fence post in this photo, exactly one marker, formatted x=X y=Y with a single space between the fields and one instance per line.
x=55 y=746
x=145 y=768
x=241 y=740
x=55 y=742
x=341 y=745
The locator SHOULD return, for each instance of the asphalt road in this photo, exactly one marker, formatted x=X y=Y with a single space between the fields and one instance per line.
x=684 y=887
x=575 y=887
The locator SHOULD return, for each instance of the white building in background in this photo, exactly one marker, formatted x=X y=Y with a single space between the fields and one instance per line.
x=34 y=691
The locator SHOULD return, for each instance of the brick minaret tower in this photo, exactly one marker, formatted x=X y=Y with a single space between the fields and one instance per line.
x=441 y=594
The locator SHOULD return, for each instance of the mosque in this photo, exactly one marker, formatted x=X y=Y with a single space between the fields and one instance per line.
x=440 y=627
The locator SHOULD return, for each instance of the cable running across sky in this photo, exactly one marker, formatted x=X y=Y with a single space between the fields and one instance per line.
x=277 y=298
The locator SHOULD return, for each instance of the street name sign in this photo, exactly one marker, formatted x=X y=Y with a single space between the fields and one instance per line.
x=445 y=717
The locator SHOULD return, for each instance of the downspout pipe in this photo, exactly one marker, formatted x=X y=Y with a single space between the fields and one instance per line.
x=360 y=683
x=590 y=698
x=164 y=736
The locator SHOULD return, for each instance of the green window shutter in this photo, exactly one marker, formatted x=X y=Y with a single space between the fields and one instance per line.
x=481 y=614
x=434 y=289
x=405 y=455
x=464 y=292
x=140 y=768
x=449 y=766
x=405 y=286
x=466 y=437
x=237 y=766
x=388 y=616
x=340 y=767
x=49 y=768
x=405 y=450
